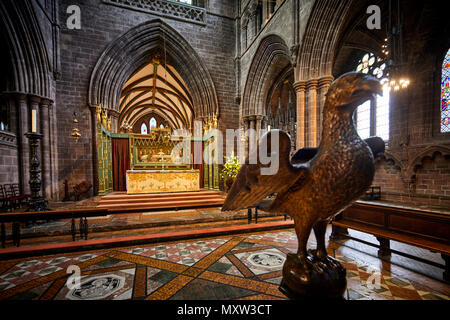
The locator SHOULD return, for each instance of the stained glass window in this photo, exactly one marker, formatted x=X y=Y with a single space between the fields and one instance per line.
x=445 y=95
x=152 y=123
x=372 y=117
x=144 y=129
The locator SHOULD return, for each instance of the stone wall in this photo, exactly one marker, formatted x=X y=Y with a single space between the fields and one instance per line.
x=9 y=166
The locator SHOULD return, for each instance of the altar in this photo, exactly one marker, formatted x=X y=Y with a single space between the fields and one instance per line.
x=158 y=181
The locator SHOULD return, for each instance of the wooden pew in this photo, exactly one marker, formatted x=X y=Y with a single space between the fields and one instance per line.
x=416 y=227
x=17 y=218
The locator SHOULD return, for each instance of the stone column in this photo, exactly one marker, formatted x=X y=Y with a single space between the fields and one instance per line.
x=300 y=88
x=53 y=152
x=23 y=126
x=313 y=114
x=45 y=147
x=245 y=124
x=252 y=135
x=95 y=177
x=323 y=86
x=259 y=126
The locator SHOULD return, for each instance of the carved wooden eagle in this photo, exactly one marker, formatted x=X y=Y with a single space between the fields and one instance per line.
x=316 y=184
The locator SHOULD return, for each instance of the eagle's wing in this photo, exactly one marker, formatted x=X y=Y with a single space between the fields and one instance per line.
x=376 y=144
x=252 y=184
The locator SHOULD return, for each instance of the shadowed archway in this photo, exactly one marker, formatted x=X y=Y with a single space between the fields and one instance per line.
x=134 y=49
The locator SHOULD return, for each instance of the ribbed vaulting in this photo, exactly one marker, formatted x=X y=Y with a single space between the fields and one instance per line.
x=157 y=88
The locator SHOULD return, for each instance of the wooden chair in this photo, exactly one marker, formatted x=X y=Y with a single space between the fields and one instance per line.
x=5 y=201
x=14 y=201
x=23 y=198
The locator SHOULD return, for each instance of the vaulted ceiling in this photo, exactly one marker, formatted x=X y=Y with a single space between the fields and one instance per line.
x=156 y=88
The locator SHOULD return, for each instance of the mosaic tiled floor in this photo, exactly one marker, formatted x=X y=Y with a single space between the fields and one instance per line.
x=227 y=268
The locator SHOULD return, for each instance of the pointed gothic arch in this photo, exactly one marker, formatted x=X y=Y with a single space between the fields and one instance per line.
x=30 y=65
x=271 y=59
x=132 y=50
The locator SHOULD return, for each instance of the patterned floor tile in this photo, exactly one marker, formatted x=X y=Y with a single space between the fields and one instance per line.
x=199 y=289
x=234 y=267
x=265 y=261
x=108 y=286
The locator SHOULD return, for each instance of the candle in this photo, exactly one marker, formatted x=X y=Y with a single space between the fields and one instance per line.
x=33 y=120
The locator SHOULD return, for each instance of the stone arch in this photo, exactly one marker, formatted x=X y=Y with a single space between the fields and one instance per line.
x=133 y=49
x=30 y=66
x=429 y=153
x=314 y=63
x=316 y=54
x=28 y=84
x=270 y=60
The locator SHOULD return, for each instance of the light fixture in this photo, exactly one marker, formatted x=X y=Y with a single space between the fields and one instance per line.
x=393 y=50
x=127 y=127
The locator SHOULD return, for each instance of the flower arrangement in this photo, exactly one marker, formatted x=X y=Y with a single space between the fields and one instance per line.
x=231 y=167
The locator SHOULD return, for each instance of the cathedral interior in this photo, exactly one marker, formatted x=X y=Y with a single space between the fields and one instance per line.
x=97 y=96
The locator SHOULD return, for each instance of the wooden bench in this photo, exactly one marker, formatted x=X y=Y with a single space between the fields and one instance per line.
x=416 y=227
x=17 y=218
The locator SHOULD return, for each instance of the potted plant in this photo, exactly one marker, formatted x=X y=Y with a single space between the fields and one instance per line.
x=230 y=171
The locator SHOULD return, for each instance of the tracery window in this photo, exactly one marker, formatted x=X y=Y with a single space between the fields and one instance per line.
x=144 y=129
x=445 y=94
x=372 y=117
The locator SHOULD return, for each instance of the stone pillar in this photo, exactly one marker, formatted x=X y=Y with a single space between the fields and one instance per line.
x=23 y=126
x=94 y=150
x=252 y=135
x=300 y=88
x=323 y=86
x=45 y=147
x=53 y=152
x=245 y=127
x=259 y=126
x=313 y=114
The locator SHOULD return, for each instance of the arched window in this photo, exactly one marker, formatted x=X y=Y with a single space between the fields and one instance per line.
x=144 y=129
x=161 y=126
x=372 y=117
x=153 y=124
x=445 y=95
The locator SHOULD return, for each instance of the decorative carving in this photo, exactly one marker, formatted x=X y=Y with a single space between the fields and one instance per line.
x=8 y=138
x=164 y=8
x=313 y=190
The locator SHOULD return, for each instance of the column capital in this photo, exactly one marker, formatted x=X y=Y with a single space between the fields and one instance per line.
x=312 y=84
x=45 y=102
x=325 y=81
x=299 y=86
x=34 y=99
x=21 y=96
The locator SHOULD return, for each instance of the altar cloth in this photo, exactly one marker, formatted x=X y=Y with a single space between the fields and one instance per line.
x=159 y=181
